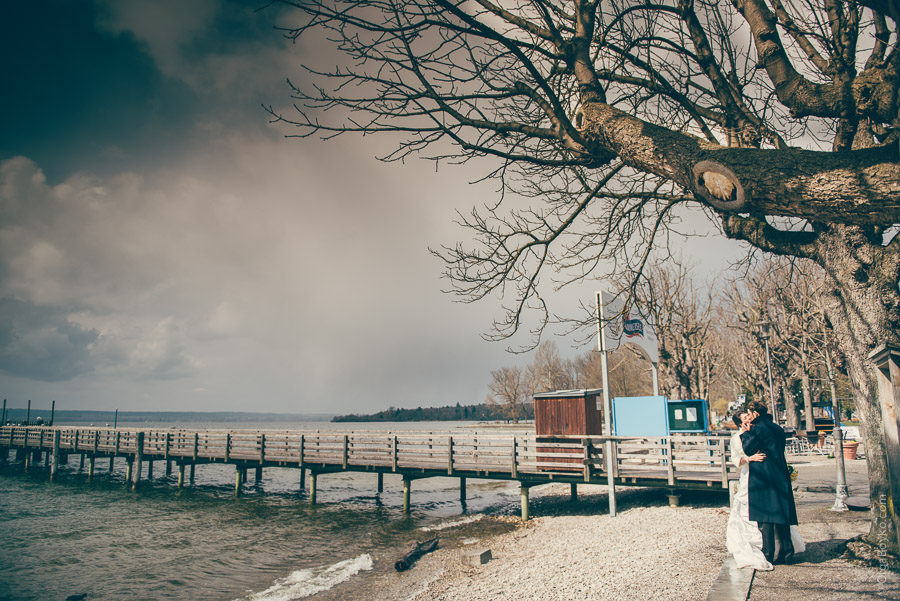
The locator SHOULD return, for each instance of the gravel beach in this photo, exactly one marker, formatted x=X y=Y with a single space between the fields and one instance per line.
x=576 y=551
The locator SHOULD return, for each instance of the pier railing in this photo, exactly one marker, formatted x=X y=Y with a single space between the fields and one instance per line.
x=676 y=460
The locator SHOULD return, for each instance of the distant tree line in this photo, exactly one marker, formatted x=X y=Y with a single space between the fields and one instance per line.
x=482 y=412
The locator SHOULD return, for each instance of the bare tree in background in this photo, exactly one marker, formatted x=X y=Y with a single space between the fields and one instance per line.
x=684 y=320
x=510 y=388
x=787 y=294
x=777 y=120
x=798 y=321
x=629 y=372
x=549 y=371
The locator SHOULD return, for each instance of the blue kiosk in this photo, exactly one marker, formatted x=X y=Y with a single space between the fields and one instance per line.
x=658 y=416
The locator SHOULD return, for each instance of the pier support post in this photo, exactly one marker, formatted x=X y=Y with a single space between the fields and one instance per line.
x=91 y=468
x=258 y=476
x=193 y=465
x=380 y=483
x=312 y=487
x=138 y=461
x=54 y=466
x=168 y=467
x=112 y=463
x=462 y=491
x=129 y=468
x=406 y=490
x=81 y=463
x=573 y=492
x=302 y=479
x=238 y=479
x=180 y=475
x=523 y=496
x=674 y=498
x=27 y=458
x=149 y=469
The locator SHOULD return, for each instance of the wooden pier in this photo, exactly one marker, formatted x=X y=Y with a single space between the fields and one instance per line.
x=676 y=462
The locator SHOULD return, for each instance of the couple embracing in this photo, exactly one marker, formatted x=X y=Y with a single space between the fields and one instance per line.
x=762 y=527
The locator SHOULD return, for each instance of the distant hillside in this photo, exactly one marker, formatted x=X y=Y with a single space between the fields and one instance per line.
x=70 y=416
x=482 y=412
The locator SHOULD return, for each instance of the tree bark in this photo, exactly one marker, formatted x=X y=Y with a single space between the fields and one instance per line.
x=808 y=417
x=820 y=186
x=863 y=307
x=792 y=416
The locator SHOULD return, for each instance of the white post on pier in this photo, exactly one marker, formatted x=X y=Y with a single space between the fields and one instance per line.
x=607 y=407
x=619 y=324
x=54 y=466
x=138 y=460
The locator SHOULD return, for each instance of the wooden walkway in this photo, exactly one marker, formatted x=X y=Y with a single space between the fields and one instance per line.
x=675 y=462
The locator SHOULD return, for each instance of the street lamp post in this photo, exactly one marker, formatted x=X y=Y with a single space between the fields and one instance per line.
x=764 y=334
x=841 y=492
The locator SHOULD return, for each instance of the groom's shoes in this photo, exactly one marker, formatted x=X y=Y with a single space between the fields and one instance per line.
x=786 y=559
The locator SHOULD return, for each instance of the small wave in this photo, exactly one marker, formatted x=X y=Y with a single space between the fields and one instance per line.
x=453 y=523
x=304 y=583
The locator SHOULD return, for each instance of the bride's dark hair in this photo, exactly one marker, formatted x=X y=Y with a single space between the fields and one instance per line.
x=736 y=418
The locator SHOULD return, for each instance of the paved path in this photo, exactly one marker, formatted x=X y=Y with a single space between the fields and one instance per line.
x=820 y=574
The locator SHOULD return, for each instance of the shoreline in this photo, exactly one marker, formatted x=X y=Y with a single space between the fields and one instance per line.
x=571 y=550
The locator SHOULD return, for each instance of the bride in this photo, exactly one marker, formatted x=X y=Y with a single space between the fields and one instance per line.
x=743 y=538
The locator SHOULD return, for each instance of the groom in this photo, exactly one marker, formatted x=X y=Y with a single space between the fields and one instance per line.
x=771 y=499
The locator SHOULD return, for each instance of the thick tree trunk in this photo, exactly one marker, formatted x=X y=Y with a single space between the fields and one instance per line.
x=808 y=417
x=792 y=415
x=864 y=309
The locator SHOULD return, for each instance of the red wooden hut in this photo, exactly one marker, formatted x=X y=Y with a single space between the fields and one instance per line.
x=566 y=413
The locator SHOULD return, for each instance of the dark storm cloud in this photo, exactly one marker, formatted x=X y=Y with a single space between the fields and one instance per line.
x=105 y=87
x=80 y=99
x=42 y=344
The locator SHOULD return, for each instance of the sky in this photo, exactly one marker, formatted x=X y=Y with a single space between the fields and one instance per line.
x=163 y=246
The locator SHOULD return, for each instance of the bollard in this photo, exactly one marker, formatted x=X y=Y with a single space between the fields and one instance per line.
x=523 y=496
x=406 y=494
x=138 y=460
x=54 y=466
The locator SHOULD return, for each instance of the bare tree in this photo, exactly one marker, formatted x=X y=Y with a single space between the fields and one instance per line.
x=684 y=320
x=629 y=372
x=510 y=388
x=798 y=321
x=778 y=120
x=549 y=371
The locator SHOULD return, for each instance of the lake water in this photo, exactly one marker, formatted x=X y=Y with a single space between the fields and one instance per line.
x=72 y=536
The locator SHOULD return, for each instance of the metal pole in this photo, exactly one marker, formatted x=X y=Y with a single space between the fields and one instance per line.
x=116 y=420
x=52 y=412
x=771 y=386
x=28 y=413
x=840 y=490
x=607 y=409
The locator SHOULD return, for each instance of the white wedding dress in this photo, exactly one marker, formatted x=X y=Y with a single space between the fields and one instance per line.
x=742 y=537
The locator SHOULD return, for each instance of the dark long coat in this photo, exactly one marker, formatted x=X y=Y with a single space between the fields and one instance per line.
x=770 y=496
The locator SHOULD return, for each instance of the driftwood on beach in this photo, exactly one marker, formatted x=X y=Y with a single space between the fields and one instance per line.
x=418 y=550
